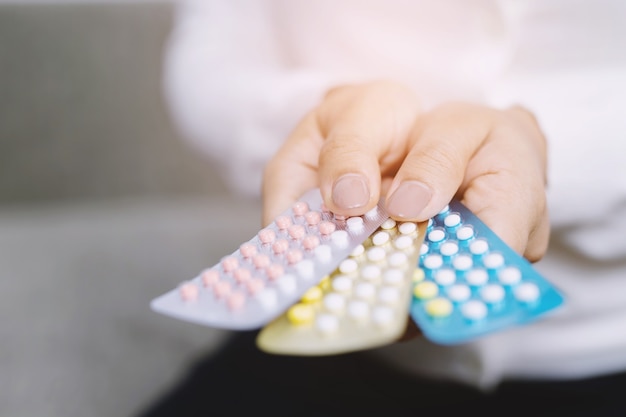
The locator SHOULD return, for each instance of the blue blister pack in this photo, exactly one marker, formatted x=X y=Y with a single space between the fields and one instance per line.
x=474 y=284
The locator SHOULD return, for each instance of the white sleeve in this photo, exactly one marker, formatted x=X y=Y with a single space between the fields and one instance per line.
x=229 y=88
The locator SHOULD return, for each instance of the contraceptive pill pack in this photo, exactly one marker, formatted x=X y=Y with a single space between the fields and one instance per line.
x=272 y=270
x=363 y=304
x=474 y=284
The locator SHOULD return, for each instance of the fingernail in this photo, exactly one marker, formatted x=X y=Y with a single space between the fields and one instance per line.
x=408 y=200
x=351 y=191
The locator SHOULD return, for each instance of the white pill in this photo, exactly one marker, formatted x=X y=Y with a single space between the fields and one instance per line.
x=397 y=259
x=492 y=293
x=342 y=284
x=287 y=284
x=445 y=277
x=465 y=233
x=433 y=261
x=306 y=268
x=459 y=293
x=463 y=262
x=445 y=209
x=479 y=247
x=510 y=275
x=493 y=260
x=403 y=242
x=334 y=302
x=449 y=248
x=423 y=249
x=348 y=266
x=382 y=316
x=474 y=310
x=389 y=295
x=370 y=272
x=393 y=277
x=407 y=228
x=376 y=254
x=267 y=298
x=327 y=323
x=388 y=224
x=452 y=220
x=365 y=291
x=358 y=251
x=323 y=253
x=355 y=224
x=430 y=223
x=527 y=292
x=339 y=238
x=380 y=238
x=436 y=235
x=372 y=213
x=477 y=277
x=358 y=310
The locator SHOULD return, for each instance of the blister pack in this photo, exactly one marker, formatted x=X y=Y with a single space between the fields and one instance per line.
x=363 y=304
x=474 y=283
x=271 y=271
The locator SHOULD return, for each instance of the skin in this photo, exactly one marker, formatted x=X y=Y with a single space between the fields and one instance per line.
x=493 y=160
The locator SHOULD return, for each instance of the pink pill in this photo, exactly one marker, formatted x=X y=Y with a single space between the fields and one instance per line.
x=188 y=291
x=297 y=232
x=236 y=300
x=283 y=222
x=248 y=250
x=261 y=261
x=313 y=218
x=294 y=256
x=300 y=208
x=274 y=271
x=230 y=264
x=242 y=275
x=255 y=285
x=310 y=242
x=326 y=228
x=324 y=208
x=221 y=289
x=280 y=246
x=340 y=218
x=210 y=277
x=267 y=236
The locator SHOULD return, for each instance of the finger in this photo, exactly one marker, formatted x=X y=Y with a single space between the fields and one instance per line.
x=293 y=170
x=442 y=144
x=365 y=130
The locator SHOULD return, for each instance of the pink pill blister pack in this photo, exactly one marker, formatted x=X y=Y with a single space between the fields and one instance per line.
x=271 y=271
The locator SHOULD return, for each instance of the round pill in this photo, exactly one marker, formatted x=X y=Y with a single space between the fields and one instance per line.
x=393 y=277
x=465 y=233
x=445 y=209
x=388 y=224
x=294 y=256
x=370 y=272
x=313 y=218
x=358 y=310
x=452 y=220
x=242 y=275
x=300 y=314
x=339 y=217
x=323 y=253
x=261 y=261
x=210 y=277
x=230 y=263
x=324 y=208
x=474 y=310
x=376 y=254
x=287 y=284
x=433 y=261
x=463 y=263
x=407 y=228
x=372 y=213
x=267 y=298
x=389 y=295
x=221 y=289
x=300 y=208
x=267 y=236
x=188 y=291
x=365 y=291
x=283 y=222
x=438 y=307
x=527 y=292
x=355 y=224
x=306 y=268
x=326 y=227
x=445 y=277
x=327 y=323
x=247 y=250
x=358 y=251
x=280 y=246
x=492 y=293
x=477 y=277
x=479 y=247
x=324 y=284
x=397 y=259
x=459 y=293
x=449 y=248
x=425 y=290
x=382 y=316
x=493 y=260
x=423 y=249
x=255 y=285
x=341 y=284
x=274 y=271
x=236 y=300
x=340 y=238
x=348 y=266
x=436 y=235
x=334 y=302
x=312 y=295
x=380 y=238
x=310 y=242
x=510 y=275
x=418 y=275
x=403 y=242
x=296 y=231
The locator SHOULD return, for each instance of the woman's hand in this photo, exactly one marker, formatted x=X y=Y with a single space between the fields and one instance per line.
x=368 y=140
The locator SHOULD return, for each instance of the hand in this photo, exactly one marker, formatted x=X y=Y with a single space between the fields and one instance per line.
x=368 y=140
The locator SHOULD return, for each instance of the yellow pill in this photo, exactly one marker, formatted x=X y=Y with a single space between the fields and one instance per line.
x=312 y=295
x=300 y=314
x=324 y=283
x=439 y=307
x=418 y=275
x=425 y=290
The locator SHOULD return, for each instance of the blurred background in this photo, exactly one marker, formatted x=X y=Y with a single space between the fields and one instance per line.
x=102 y=208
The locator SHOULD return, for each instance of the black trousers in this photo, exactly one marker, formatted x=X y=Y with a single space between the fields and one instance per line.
x=243 y=381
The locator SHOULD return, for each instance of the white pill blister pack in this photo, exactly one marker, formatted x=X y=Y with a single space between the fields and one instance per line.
x=474 y=284
x=271 y=271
